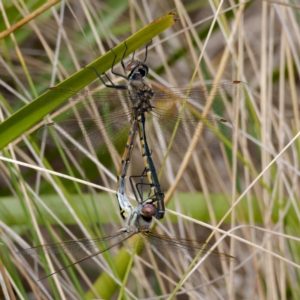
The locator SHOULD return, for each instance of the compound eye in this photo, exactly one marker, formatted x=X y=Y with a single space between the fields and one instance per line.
x=143 y=68
x=143 y=72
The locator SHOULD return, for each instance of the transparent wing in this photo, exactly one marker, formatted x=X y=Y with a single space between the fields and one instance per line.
x=75 y=246
x=163 y=242
x=178 y=114
x=101 y=119
x=97 y=119
x=95 y=246
x=86 y=133
x=101 y=244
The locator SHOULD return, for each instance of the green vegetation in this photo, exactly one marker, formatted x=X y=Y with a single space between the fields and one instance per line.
x=231 y=180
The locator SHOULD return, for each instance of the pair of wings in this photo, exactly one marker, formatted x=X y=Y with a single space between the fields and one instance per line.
x=98 y=245
x=101 y=244
x=102 y=119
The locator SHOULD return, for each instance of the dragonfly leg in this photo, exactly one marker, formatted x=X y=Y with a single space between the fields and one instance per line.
x=122 y=60
x=112 y=85
x=135 y=188
x=113 y=64
x=146 y=52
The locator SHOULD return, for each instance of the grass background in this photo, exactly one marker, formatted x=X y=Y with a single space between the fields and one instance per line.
x=256 y=42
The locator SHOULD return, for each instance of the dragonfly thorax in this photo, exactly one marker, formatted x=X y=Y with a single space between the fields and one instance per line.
x=140 y=94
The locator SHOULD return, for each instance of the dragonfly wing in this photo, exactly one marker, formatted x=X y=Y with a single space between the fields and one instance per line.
x=63 y=101
x=98 y=119
x=193 y=247
x=72 y=134
x=74 y=246
x=178 y=114
x=178 y=134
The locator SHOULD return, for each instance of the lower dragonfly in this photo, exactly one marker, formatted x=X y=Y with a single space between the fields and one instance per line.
x=173 y=115
x=139 y=221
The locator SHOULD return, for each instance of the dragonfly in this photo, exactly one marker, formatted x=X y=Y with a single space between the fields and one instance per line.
x=168 y=117
x=139 y=221
x=91 y=127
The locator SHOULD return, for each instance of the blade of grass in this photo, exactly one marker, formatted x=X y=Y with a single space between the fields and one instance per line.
x=30 y=114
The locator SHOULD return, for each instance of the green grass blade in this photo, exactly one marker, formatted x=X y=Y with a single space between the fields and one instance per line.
x=33 y=112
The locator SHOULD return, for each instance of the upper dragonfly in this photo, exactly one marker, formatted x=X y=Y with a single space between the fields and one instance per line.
x=138 y=223
x=173 y=115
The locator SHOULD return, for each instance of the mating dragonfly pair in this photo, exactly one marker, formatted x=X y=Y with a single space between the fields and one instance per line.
x=168 y=117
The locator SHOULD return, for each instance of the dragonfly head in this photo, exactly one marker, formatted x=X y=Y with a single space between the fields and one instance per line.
x=148 y=210
x=143 y=216
x=136 y=70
